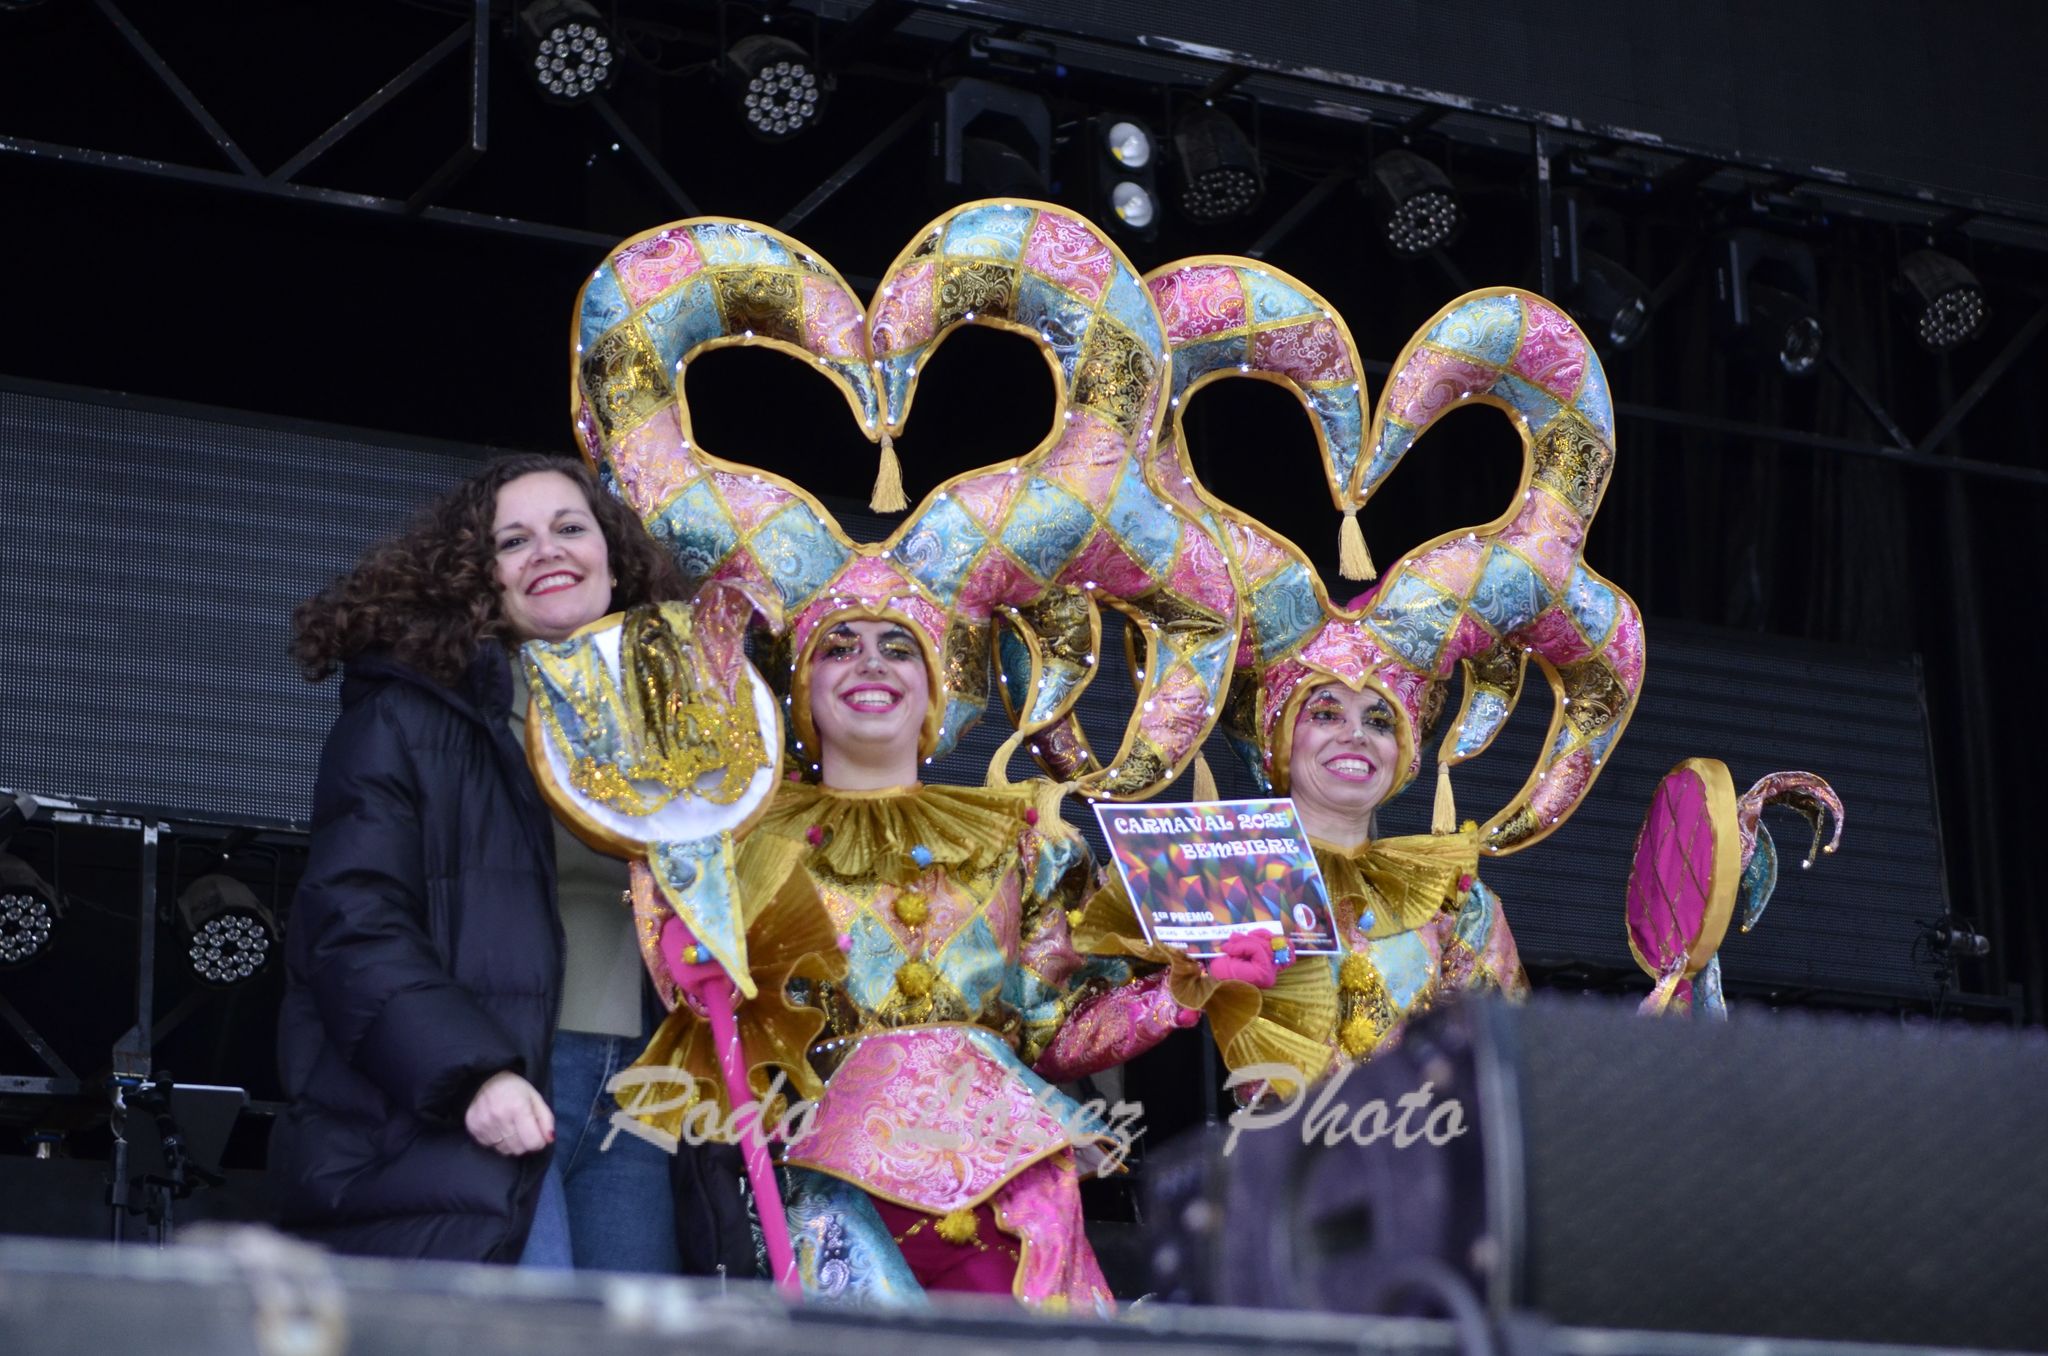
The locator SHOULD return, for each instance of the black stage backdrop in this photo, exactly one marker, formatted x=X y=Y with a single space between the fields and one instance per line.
x=155 y=556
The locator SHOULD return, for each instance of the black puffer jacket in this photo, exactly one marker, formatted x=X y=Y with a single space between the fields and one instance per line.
x=424 y=954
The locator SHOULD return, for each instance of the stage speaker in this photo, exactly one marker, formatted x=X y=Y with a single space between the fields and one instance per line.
x=1779 y=1175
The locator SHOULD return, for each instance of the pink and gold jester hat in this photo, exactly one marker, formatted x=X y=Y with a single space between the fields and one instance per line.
x=668 y=295
x=1483 y=598
x=1002 y=539
x=1492 y=598
x=1039 y=542
x=1227 y=316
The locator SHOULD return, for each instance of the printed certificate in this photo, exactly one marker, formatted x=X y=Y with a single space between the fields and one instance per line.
x=1199 y=873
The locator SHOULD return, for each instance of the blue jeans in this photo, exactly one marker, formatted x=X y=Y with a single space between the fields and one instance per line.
x=601 y=1209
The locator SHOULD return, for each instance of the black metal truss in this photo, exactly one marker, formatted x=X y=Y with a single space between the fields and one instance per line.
x=244 y=175
x=1350 y=97
x=1547 y=140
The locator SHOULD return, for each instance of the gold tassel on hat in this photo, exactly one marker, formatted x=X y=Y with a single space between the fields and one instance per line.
x=1354 y=561
x=1205 y=779
x=888 y=495
x=1444 y=818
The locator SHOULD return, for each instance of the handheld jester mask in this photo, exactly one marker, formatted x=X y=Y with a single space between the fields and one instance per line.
x=654 y=740
x=1031 y=544
x=1704 y=857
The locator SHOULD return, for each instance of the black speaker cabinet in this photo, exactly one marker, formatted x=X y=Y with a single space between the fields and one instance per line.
x=1779 y=1175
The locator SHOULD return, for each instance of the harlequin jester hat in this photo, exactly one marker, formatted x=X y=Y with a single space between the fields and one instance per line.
x=1030 y=544
x=1227 y=316
x=1492 y=598
x=1486 y=598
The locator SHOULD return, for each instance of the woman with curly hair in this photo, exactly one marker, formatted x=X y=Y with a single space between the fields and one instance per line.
x=462 y=980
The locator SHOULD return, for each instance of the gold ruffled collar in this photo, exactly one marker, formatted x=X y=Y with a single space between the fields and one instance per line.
x=1402 y=882
x=871 y=835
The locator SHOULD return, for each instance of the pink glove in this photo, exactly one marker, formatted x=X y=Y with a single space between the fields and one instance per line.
x=1247 y=956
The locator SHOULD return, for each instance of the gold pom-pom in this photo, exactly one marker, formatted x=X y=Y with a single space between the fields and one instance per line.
x=959 y=1226
x=914 y=979
x=912 y=908
x=1074 y=917
x=1356 y=1035
x=1356 y=975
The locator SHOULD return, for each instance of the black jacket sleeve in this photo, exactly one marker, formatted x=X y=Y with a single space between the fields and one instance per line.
x=360 y=939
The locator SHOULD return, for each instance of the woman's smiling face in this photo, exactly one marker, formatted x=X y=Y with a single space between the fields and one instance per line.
x=869 y=688
x=1341 y=763
x=552 y=565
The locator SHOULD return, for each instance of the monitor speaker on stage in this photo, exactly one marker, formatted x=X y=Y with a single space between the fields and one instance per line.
x=1779 y=1175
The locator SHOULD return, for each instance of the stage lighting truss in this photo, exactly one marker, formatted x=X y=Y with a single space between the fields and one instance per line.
x=777 y=85
x=1221 y=178
x=1947 y=300
x=232 y=934
x=1417 y=208
x=28 y=913
x=1767 y=289
x=1125 y=156
x=570 y=50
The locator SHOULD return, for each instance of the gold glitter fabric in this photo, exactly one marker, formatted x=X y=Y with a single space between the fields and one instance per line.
x=663 y=728
x=950 y=905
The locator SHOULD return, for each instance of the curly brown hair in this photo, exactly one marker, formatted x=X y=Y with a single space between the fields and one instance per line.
x=430 y=594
